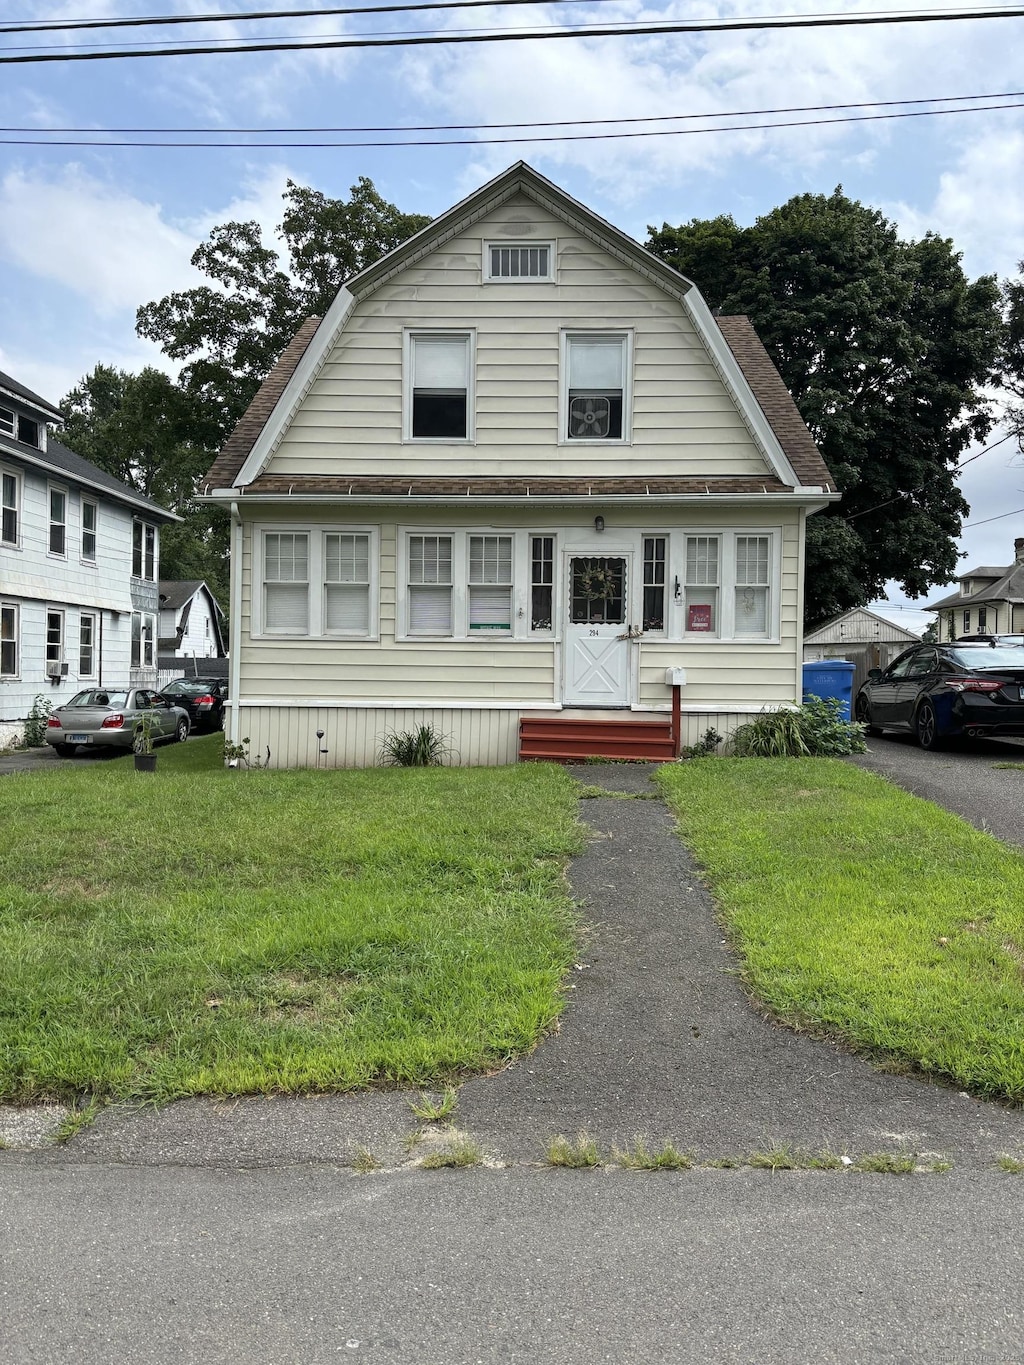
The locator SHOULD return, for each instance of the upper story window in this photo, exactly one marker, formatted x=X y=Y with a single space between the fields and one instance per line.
x=58 y=521
x=89 y=517
x=143 y=550
x=595 y=391
x=10 y=506
x=8 y=422
x=439 y=387
x=23 y=429
x=519 y=262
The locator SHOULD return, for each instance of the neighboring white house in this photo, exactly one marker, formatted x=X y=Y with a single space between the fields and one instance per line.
x=861 y=637
x=79 y=561
x=191 y=622
x=989 y=601
x=517 y=473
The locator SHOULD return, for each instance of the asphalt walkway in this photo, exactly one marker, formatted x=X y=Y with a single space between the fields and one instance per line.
x=659 y=1039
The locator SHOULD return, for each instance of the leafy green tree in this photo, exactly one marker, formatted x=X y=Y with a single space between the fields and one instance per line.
x=1011 y=355
x=230 y=333
x=885 y=346
x=147 y=431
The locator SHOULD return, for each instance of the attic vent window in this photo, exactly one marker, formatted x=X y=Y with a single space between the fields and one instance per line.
x=516 y=261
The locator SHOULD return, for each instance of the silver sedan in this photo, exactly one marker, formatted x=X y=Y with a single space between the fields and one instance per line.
x=115 y=718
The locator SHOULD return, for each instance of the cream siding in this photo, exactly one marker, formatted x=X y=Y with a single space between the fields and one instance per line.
x=684 y=420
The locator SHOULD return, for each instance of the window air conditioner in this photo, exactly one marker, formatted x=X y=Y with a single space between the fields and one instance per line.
x=55 y=670
x=589 y=418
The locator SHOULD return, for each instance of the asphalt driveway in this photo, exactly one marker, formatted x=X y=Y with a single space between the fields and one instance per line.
x=973 y=781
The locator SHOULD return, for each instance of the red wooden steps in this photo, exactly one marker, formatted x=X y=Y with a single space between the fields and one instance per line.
x=561 y=740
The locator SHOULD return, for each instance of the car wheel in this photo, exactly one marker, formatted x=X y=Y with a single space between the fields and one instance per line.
x=864 y=716
x=65 y=750
x=927 y=727
x=181 y=731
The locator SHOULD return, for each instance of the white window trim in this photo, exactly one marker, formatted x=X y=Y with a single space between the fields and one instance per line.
x=142 y=617
x=19 y=491
x=89 y=502
x=521 y=569
x=317 y=533
x=11 y=430
x=62 y=658
x=52 y=488
x=726 y=632
x=467 y=334
x=626 y=337
x=143 y=577
x=15 y=607
x=551 y=244
x=87 y=616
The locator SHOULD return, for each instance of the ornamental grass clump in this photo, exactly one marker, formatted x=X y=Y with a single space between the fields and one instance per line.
x=419 y=748
x=813 y=730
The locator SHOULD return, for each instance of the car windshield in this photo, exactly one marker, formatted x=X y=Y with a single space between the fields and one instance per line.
x=986 y=657
x=99 y=696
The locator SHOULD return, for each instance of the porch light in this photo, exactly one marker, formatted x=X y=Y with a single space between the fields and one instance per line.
x=599 y=523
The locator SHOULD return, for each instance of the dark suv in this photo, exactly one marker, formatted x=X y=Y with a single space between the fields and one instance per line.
x=939 y=692
x=202 y=698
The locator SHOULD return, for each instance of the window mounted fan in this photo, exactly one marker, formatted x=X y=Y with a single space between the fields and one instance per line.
x=589 y=418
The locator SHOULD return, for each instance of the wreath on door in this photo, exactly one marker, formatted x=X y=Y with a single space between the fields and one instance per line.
x=597 y=582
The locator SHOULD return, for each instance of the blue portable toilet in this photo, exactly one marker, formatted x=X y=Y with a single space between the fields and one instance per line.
x=831 y=678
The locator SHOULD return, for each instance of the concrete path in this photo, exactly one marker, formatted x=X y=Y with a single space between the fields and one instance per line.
x=659 y=1038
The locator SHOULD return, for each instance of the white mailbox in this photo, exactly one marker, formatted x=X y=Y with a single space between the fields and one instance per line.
x=675 y=677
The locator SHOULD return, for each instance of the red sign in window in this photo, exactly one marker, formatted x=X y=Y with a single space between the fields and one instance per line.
x=698 y=616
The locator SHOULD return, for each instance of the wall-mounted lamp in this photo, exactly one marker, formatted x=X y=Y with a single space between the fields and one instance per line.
x=599 y=523
x=676 y=590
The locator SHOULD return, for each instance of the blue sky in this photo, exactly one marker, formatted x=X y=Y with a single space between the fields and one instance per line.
x=88 y=234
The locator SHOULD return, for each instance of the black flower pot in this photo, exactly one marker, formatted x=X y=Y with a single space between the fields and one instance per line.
x=145 y=763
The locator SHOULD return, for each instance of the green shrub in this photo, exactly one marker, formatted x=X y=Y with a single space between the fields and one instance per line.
x=813 y=730
x=35 y=725
x=420 y=748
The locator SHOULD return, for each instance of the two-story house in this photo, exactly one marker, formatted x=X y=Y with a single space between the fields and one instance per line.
x=518 y=484
x=989 y=601
x=191 y=624
x=79 y=566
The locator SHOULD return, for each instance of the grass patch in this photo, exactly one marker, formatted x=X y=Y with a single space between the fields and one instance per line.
x=576 y=1155
x=1012 y=1165
x=459 y=1152
x=866 y=913
x=206 y=931
x=640 y=1158
x=432 y=1110
x=364 y=1162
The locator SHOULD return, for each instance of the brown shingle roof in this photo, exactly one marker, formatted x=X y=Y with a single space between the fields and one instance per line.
x=238 y=446
x=377 y=486
x=776 y=402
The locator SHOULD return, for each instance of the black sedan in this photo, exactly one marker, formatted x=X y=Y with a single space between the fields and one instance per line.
x=202 y=698
x=941 y=692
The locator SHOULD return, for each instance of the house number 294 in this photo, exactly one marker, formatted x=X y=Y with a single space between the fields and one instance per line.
x=593 y=632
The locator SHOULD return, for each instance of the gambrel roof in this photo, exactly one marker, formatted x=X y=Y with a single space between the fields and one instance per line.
x=793 y=460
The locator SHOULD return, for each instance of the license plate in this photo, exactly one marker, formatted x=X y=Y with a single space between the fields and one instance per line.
x=79 y=739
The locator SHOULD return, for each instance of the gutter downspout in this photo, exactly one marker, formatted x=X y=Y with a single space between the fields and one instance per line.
x=235 y=626
x=801 y=570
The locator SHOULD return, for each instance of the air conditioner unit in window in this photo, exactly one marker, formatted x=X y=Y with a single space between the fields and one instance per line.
x=54 y=670
x=589 y=418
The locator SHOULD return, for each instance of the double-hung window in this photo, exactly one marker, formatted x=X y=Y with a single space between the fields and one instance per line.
x=143 y=550
x=8 y=422
x=9 y=640
x=490 y=583
x=595 y=386
x=86 y=645
x=751 y=614
x=701 y=583
x=143 y=640
x=654 y=584
x=542 y=581
x=54 y=639
x=316 y=582
x=430 y=585
x=58 y=521
x=286 y=582
x=89 y=519
x=439 y=386
x=10 y=506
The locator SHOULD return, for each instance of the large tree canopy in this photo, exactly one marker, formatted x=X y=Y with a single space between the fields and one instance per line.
x=885 y=346
x=230 y=333
x=1011 y=356
x=146 y=431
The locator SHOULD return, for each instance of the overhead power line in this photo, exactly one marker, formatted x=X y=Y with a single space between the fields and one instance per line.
x=1001 y=517
x=495 y=141
x=548 y=123
x=526 y=35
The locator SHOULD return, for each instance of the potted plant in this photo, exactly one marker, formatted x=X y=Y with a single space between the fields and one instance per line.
x=145 y=729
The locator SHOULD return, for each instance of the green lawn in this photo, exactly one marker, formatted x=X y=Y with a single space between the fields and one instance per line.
x=205 y=931
x=864 y=912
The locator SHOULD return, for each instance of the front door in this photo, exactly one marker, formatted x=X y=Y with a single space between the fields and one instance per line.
x=597 y=654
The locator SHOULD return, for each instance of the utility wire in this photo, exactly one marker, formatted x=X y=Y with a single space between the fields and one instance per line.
x=525 y=35
x=496 y=141
x=968 y=524
x=66 y=25
x=550 y=123
x=909 y=493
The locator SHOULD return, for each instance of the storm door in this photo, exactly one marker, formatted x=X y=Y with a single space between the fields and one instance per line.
x=597 y=653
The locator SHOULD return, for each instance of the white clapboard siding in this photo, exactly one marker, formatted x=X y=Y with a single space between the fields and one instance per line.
x=684 y=420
